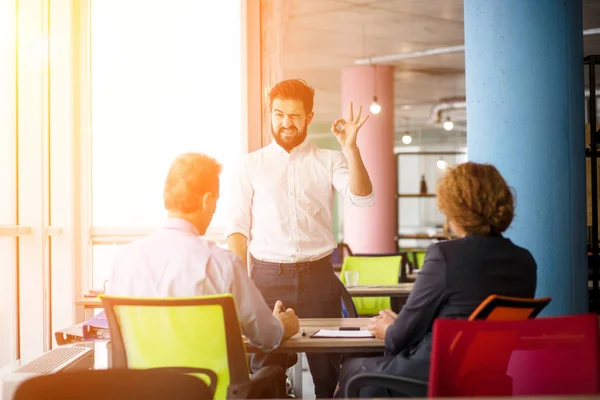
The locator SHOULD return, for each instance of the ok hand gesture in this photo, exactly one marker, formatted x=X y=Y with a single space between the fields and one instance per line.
x=346 y=136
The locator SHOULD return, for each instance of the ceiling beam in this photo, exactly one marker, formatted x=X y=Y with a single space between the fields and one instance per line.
x=431 y=52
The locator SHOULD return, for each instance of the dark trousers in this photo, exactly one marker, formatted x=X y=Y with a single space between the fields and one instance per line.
x=398 y=365
x=313 y=291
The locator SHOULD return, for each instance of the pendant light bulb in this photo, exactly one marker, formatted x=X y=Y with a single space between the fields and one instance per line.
x=375 y=107
x=448 y=125
x=407 y=139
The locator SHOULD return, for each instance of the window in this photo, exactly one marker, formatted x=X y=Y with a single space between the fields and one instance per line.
x=166 y=78
x=172 y=84
x=8 y=185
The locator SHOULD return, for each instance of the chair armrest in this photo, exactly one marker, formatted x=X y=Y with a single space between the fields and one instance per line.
x=404 y=387
x=267 y=383
x=212 y=386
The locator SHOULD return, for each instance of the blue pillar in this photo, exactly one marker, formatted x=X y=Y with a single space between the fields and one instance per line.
x=525 y=115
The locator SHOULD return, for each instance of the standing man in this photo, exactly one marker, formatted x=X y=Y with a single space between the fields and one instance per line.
x=281 y=214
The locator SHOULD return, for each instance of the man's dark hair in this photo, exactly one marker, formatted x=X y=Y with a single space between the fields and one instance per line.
x=293 y=89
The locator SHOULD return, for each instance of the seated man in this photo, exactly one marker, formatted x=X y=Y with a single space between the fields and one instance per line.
x=176 y=261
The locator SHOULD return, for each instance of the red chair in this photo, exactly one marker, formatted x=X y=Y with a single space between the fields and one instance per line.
x=544 y=356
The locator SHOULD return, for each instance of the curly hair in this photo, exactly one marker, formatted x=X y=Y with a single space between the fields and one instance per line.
x=476 y=198
x=293 y=89
x=190 y=176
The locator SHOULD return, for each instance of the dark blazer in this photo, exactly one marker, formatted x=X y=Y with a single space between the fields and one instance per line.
x=457 y=275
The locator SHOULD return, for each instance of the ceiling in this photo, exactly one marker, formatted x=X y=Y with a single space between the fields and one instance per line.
x=320 y=37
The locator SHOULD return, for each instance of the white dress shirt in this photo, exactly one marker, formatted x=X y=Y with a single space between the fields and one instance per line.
x=176 y=262
x=283 y=202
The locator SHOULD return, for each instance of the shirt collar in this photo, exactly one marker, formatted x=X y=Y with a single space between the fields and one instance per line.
x=181 y=225
x=298 y=149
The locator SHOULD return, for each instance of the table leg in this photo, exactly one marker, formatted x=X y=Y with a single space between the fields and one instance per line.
x=297 y=377
x=88 y=313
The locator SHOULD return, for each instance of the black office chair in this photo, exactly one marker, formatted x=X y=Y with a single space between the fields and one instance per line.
x=119 y=384
x=347 y=302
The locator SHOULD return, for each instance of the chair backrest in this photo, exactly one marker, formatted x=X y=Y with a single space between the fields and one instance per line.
x=504 y=308
x=542 y=356
x=348 y=307
x=340 y=252
x=373 y=270
x=117 y=384
x=199 y=332
x=404 y=264
x=419 y=258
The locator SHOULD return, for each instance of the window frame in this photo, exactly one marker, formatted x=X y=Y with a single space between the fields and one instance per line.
x=32 y=177
x=10 y=230
x=252 y=137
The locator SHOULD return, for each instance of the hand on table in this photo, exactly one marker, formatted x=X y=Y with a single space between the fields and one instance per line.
x=287 y=318
x=378 y=325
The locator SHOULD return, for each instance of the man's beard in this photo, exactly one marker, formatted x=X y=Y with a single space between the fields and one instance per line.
x=289 y=143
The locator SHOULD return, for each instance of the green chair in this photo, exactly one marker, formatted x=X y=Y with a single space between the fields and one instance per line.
x=414 y=257
x=196 y=332
x=372 y=270
x=409 y=257
x=419 y=257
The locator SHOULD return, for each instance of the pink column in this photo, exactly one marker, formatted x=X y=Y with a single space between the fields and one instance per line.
x=372 y=229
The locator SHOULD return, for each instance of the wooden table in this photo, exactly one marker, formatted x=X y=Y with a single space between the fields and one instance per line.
x=295 y=344
x=393 y=290
x=88 y=304
x=308 y=344
x=397 y=292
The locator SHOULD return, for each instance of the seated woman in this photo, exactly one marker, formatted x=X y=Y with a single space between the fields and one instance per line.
x=457 y=275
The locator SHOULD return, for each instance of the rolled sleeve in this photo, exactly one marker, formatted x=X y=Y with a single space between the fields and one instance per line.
x=341 y=182
x=239 y=203
x=361 y=201
x=258 y=323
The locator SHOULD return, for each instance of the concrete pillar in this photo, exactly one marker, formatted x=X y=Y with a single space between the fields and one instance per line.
x=274 y=15
x=524 y=81
x=372 y=229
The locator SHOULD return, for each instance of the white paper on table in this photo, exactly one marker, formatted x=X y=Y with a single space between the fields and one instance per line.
x=335 y=333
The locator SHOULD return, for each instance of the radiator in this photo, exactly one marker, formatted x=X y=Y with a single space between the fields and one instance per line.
x=67 y=358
